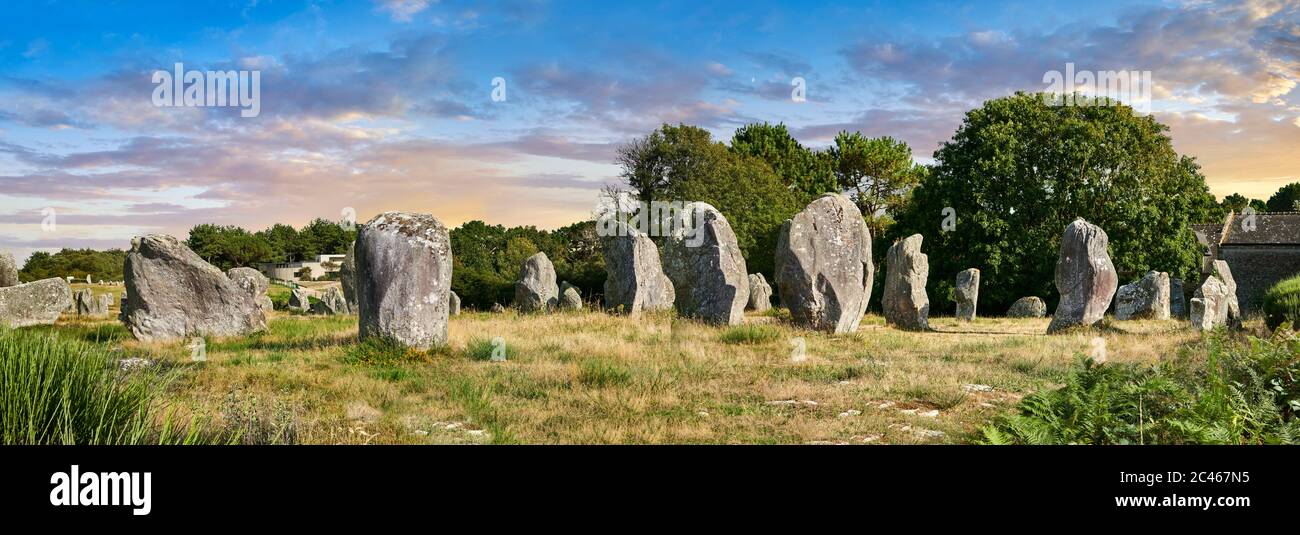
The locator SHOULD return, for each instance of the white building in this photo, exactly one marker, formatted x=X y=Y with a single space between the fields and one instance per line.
x=288 y=271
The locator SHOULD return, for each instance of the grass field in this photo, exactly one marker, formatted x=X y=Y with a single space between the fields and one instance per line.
x=588 y=377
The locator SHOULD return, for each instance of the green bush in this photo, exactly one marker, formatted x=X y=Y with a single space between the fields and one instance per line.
x=1236 y=393
x=1282 y=303
x=65 y=391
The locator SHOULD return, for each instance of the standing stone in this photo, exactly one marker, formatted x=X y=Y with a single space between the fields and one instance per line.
x=254 y=283
x=348 y=276
x=121 y=309
x=1177 y=300
x=703 y=260
x=497 y=308
x=173 y=294
x=8 y=271
x=1085 y=277
x=570 y=297
x=535 y=290
x=331 y=303
x=403 y=266
x=88 y=281
x=760 y=293
x=906 y=304
x=1145 y=299
x=1027 y=307
x=34 y=303
x=105 y=303
x=453 y=303
x=1211 y=304
x=88 y=305
x=823 y=265
x=968 y=293
x=1233 y=318
x=300 y=299
x=634 y=280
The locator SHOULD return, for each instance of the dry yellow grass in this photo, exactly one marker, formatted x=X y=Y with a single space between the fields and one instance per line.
x=589 y=377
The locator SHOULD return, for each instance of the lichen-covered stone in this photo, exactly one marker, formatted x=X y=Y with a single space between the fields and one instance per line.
x=570 y=297
x=703 y=260
x=760 y=293
x=8 y=271
x=905 y=302
x=823 y=265
x=172 y=294
x=403 y=266
x=967 y=293
x=635 y=279
x=254 y=283
x=1027 y=307
x=535 y=289
x=34 y=303
x=1147 y=298
x=1085 y=277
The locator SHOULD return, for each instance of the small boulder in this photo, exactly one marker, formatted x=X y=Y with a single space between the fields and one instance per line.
x=88 y=305
x=1145 y=299
x=1027 y=307
x=497 y=308
x=300 y=299
x=331 y=302
x=967 y=292
x=535 y=290
x=254 y=283
x=570 y=297
x=34 y=303
x=906 y=304
x=1085 y=277
x=1210 y=306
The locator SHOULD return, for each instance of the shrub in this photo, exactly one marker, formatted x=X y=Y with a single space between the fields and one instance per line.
x=1237 y=393
x=1282 y=303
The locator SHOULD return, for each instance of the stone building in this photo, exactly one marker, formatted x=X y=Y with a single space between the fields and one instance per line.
x=1260 y=252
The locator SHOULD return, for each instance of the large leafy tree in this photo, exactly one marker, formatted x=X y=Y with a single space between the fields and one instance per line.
x=1018 y=171
x=227 y=246
x=800 y=168
x=877 y=173
x=1287 y=199
x=683 y=163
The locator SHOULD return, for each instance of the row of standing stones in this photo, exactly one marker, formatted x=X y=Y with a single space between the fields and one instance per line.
x=397 y=278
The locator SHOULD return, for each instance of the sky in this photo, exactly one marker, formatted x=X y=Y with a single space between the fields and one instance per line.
x=384 y=105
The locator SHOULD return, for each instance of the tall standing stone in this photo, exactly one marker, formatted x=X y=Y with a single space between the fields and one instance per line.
x=1177 y=299
x=254 y=283
x=635 y=279
x=88 y=305
x=1233 y=318
x=760 y=293
x=968 y=293
x=1211 y=304
x=703 y=260
x=453 y=304
x=1085 y=277
x=1145 y=299
x=536 y=290
x=823 y=265
x=348 y=277
x=173 y=294
x=8 y=271
x=34 y=303
x=570 y=297
x=403 y=267
x=906 y=304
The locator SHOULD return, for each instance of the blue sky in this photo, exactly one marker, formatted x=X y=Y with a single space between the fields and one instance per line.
x=372 y=106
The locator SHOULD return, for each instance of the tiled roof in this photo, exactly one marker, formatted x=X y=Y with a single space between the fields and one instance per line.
x=1270 y=228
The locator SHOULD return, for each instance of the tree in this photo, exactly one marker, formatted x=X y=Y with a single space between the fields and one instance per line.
x=800 y=168
x=1018 y=171
x=878 y=173
x=228 y=246
x=78 y=263
x=683 y=163
x=1285 y=199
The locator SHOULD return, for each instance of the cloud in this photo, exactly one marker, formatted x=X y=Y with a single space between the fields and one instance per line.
x=402 y=10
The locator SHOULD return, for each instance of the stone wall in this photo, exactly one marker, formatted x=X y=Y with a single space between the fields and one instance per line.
x=1256 y=268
